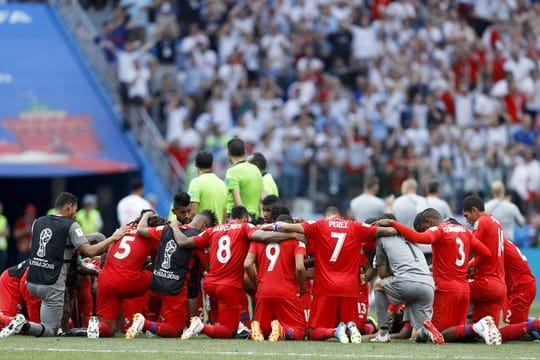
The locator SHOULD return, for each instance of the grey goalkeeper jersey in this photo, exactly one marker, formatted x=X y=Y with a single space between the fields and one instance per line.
x=404 y=259
x=507 y=214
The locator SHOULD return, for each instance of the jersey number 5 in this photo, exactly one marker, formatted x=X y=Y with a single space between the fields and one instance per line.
x=125 y=247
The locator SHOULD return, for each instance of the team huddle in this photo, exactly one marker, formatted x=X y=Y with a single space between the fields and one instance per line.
x=209 y=267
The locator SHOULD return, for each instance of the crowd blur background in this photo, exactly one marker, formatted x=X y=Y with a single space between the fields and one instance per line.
x=335 y=91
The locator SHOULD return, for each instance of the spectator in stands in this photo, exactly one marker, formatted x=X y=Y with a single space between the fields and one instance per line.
x=368 y=205
x=4 y=236
x=89 y=216
x=129 y=208
x=452 y=68
x=503 y=210
x=22 y=232
x=269 y=185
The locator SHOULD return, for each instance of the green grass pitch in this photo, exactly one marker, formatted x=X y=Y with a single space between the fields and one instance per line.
x=30 y=348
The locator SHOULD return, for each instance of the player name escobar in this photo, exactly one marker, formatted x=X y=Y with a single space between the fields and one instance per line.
x=166 y=274
x=41 y=263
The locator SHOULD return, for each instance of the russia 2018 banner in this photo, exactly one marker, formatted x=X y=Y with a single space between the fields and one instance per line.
x=54 y=118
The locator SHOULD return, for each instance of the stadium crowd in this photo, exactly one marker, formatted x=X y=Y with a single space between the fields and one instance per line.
x=346 y=89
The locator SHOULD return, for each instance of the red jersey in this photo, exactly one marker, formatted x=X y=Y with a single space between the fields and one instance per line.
x=516 y=268
x=488 y=230
x=127 y=255
x=276 y=270
x=229 y=244
x=336 y=243
x=451 y=245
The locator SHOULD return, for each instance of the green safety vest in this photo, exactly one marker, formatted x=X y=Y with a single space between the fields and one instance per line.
x=88 y=221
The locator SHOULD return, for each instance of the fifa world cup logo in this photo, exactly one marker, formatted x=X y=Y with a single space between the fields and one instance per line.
x=170 y=248
x=44 y=238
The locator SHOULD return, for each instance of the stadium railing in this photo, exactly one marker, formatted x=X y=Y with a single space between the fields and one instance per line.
x=141 y=124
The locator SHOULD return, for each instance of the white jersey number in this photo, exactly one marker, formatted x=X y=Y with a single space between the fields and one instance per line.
x=224 y=249
x=460 y=259
x=125 y=247
x=339 y=245
x=501 y=243
x=272 y=254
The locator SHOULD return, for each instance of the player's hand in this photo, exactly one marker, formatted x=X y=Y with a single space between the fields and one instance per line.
x=299 y=237
x=384 y=222
x=174 y=222
x=301 y=291
x=120 y=232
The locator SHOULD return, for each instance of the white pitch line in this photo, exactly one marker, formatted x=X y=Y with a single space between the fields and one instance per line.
x=258 y=353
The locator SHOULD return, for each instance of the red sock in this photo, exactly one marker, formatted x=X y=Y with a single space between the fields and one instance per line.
x=295 y=333
x=162 y=329
x=533 y=324
x=217 y=331
x=460 y=331
x=514 y=331
x=368 y=329
x=321 y=333
x=104 y=330
x=4 y=320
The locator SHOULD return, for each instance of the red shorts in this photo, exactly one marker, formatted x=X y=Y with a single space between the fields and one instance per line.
x=450 y=309
x=363 y=306
x=328 y=311
x=110 y=295
x=487 y=295
x=289 y=313
x=33 y=303
x=170 y=309
x=226 y=304
x=517 y=305
x=11 y=300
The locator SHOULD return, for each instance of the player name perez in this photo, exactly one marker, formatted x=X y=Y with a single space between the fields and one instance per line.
x=338 y=224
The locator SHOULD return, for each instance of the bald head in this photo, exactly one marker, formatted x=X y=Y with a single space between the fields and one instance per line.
x=409 y=186
x=497 y=189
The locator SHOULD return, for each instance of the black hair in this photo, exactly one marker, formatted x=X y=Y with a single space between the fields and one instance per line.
x=210 y=216
x=258 y=160
x=136 y=184
x=239 y=212
x=279 y=210
x=370 y=220
x=331 y=210
x=157 y=221
x=387 y=216
x=285 y=218
x=425 y=215
x=181 y=199
x=433 y=187
x=63 y=199
x=204 y=160
x=270 y=200
x=138 y=219
x=472 y=201
x=236 y=147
